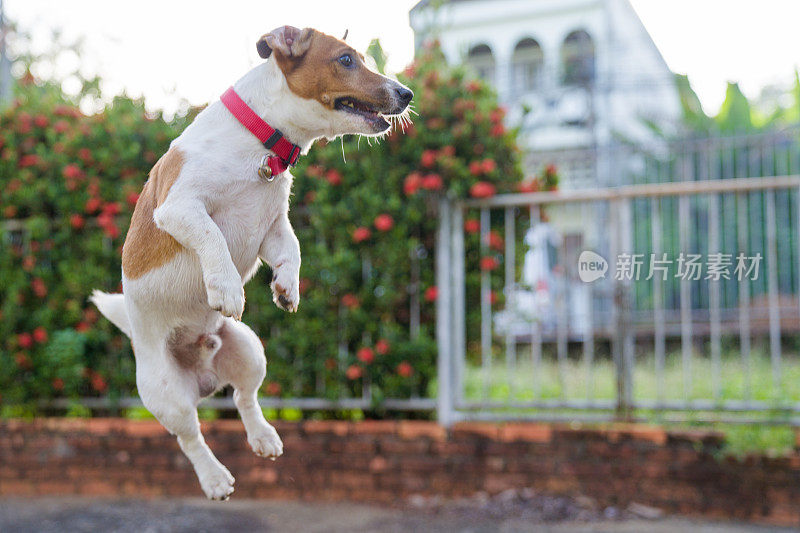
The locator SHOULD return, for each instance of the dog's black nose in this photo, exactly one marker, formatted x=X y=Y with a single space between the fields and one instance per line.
x=404 y=94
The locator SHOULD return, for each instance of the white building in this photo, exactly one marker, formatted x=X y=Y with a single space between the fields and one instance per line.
x=586 y=72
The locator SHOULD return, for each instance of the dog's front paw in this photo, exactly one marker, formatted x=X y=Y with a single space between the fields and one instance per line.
x=226 y=295
x=217 y=483
x=265 y=442
x=286 y=287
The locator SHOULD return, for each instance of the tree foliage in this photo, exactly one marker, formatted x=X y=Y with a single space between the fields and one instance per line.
x=736 y=114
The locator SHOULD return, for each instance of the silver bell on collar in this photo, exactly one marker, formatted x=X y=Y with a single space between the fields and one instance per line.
x=264 y=170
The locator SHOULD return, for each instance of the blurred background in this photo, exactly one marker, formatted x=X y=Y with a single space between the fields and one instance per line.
x=440 y=276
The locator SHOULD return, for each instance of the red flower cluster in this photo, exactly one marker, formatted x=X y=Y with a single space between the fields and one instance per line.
x=26 y=340
x=334 y=177
x=404 y=369
x=382 y=346
x=38 y=287
x=354 y=372
x=40 y=335
x=106 y=219
x=273 y=388
x=350 y=301
x=489 y=263
x=432 y=182
x=482 y=189
x=431 y=293
x=412 y=183
x=416 y=181
x=365 y=355
x=428 y=158
x=361 y=234
x=495 y=241
x=97 y=381
x=76 y=221
x=29 y=160
x=384 y=222
x=488 y=165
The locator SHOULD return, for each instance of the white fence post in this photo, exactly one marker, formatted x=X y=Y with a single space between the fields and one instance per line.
x=444 y=318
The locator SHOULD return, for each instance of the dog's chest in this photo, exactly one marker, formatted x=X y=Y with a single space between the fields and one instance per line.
x=245 y=216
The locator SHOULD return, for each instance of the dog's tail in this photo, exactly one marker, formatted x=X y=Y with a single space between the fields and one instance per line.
x=113 y=308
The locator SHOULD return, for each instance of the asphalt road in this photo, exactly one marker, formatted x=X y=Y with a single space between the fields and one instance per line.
x=60 y=515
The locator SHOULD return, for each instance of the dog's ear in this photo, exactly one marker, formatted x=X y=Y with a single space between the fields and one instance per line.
x=287 y=40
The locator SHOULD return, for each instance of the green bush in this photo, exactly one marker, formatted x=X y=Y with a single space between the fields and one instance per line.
x=68 y=183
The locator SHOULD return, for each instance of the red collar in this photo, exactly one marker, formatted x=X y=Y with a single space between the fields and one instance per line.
x=286 y=153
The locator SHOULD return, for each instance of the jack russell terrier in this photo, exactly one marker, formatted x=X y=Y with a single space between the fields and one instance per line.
x=214 y=207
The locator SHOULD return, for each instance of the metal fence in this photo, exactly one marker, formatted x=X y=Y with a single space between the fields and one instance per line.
x=650 y=338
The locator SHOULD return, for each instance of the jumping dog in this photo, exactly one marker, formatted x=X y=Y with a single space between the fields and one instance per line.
x=214 y=208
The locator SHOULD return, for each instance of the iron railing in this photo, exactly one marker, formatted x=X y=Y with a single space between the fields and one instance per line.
x=560 y=361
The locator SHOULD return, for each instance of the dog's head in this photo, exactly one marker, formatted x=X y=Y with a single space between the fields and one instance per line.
x=326 y=70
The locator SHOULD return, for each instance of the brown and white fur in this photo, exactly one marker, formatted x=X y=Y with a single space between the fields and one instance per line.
x=204 y=223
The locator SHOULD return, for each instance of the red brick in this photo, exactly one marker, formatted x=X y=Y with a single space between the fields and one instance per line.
x=260 y=475
x=413 y=484
x=54 y=488
x=378 y=464
x=359 y=446
x=420 y=464
x=404 y=447
x=17 y=487
x=374 y=427
x=697 y=436
x=654 y=434
x=65 y=425
x=451 y=448
x=105 y=426
x=224 y=425
x=782 y=515
x=494 y=483
x=483 y=429
x=141 y=489
x=526 y=432
x=495 y=464
x=339 y=428
x=414 y=429
x=98 y=488
x=296 y=444
x=353 y=480
x=579 y=432
x=145 y=428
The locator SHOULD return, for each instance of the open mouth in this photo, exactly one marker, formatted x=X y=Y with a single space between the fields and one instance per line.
x=362 y=109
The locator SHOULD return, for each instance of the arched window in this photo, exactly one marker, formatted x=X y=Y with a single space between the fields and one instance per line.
x=526 y=66
x=577 y=59
x=481 y=59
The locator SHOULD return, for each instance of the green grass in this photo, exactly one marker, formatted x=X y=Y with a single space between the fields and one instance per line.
x=505 y=382
x=522 y=382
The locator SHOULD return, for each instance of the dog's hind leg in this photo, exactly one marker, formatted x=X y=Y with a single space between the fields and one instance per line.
x=171 y=394
x=241 y=362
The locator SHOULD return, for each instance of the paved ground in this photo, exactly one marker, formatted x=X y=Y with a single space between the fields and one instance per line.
x=195 y=515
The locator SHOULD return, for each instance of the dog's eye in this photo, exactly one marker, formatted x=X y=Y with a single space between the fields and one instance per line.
x=346 y=60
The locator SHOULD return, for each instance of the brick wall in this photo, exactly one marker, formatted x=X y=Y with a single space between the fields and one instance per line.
x=387 y=461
